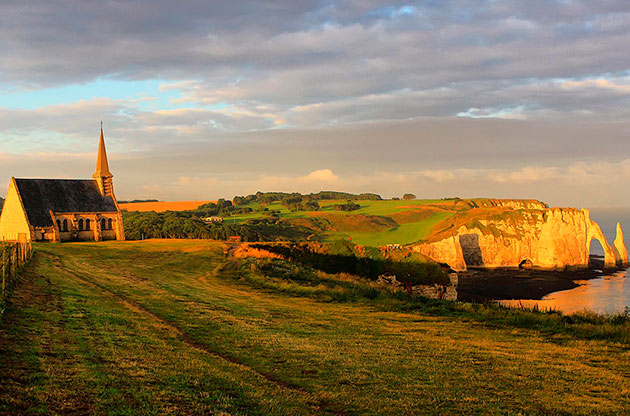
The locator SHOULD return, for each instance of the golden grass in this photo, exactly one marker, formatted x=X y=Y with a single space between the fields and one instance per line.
x=163 y=206
x=160 y=327
x=246 y=251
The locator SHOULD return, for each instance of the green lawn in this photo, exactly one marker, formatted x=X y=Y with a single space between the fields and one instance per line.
x=170 y=327
x=384 y=207
x=405 y=233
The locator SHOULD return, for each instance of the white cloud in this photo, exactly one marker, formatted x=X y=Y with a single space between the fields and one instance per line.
x=321 y=175
x=527 y=174
x=439 y=176
x=622 y=86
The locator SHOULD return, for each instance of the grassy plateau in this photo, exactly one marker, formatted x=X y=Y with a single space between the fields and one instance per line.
x=183 y=327
x=413 y=220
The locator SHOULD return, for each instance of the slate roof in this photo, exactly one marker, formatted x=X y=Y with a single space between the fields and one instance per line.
x=39 y=196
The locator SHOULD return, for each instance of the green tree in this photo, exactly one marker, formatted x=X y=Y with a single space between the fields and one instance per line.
x=239 y=200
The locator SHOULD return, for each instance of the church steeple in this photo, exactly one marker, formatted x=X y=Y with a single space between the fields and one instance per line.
x=102 y=165
x=102 y=175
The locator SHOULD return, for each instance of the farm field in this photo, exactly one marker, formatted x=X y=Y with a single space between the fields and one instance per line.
x=175 y=327
x=162 y=206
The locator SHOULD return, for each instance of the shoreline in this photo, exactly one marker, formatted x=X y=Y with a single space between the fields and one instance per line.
x=482 y=285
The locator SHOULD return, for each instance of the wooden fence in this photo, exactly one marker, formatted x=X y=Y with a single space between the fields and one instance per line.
x=13 y=257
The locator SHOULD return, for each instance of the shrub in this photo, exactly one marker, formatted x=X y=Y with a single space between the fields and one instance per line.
x=348 y=206
x=239 y=200
x=343 y=257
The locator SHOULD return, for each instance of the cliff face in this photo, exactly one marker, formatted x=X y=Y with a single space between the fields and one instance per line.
x=505 y=237
x=505 y=203
x=619 y=248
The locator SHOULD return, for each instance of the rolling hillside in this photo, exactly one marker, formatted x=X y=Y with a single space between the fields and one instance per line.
x=177 y=327
x=162 y=206
x=371 y=222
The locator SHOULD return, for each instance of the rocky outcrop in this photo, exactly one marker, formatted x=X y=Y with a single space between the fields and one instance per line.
x=619 y=248
x=549 y=238
x=434 y=291
x=505 y=203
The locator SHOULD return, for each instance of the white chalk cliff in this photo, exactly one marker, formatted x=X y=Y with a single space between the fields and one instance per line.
x=549 y=238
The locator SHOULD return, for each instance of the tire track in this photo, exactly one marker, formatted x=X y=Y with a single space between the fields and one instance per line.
x=320 y=404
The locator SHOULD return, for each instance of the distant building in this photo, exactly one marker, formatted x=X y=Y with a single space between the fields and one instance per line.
x=210 y=220
x=63 y=209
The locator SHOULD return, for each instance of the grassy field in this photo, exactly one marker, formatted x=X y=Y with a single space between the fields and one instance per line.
x=162 y=206
x=175 y=327
x=357 y=225
x=376 y=223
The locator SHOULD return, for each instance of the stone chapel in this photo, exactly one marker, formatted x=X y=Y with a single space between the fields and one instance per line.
x=57 y=210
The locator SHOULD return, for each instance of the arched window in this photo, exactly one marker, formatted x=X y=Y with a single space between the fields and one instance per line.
x=109 y=224
x=80 y=224
x=103 y=224
x=59 y=225
x=65 y=225
x=87 y=225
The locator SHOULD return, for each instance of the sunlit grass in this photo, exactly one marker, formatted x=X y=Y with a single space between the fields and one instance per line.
x=161 y=327
x=404 y=233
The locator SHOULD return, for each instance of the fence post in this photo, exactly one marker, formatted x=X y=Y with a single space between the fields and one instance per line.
x=14 y=262
x=4 y=270
x=13 y=256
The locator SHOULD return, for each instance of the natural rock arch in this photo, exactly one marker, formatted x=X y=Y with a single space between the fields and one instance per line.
x=595 y=233
x=551 y=238
x=619 y=248
x=471 y=251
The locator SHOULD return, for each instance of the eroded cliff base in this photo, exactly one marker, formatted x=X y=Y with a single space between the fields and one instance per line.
x=482 y=285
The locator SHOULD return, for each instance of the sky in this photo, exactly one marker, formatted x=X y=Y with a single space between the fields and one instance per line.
x=208 y=99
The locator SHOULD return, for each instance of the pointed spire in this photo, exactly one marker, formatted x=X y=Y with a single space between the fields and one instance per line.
x=620 y=247
x=102 y=166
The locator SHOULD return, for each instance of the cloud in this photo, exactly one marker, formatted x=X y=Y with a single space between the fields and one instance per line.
x=527 y=174
x=560 y=185
x=266 y=93
x=321 y=175
x=421 y=56
x=602 y=83
x=439 y=175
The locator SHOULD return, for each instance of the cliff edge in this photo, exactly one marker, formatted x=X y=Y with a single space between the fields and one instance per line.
x=508 y=235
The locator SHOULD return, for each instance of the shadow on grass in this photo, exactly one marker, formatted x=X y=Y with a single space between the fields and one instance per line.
x=369 y=266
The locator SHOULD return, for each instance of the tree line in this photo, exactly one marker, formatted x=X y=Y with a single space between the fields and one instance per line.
x=182 y=224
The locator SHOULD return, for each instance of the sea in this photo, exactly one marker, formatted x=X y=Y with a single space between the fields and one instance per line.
x=606 y=294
